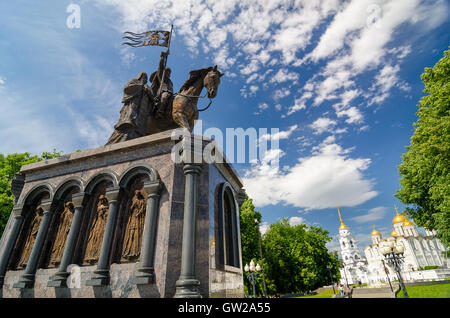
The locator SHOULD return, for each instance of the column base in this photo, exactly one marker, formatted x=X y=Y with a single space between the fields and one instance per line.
x=59 y=280
x=25 y=281
x=100 y=278
x=187 y=288
x=144 y=276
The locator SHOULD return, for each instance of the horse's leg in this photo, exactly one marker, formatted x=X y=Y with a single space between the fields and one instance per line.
x=181 y=120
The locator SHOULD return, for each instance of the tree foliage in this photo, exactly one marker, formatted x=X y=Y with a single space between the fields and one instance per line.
x=10 y=165
x=297 y=258
x=425 y=168
x=249 y=236
x=249 y=231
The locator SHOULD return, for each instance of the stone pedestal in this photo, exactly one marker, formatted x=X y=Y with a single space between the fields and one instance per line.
x=184 y=243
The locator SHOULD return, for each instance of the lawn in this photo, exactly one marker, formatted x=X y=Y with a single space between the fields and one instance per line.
x=322 y=294
x=427 y=291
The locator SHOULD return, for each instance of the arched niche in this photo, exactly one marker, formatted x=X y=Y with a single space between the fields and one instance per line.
x=32 y=216
x=93 y=226
x=127 y=245
x=227 y=226
x=62 y=216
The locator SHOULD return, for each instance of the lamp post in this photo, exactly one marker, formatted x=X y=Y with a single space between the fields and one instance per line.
x=393 y=254
x=260 y=253
x=331 y=278
x=386 y=271
x=252 y=272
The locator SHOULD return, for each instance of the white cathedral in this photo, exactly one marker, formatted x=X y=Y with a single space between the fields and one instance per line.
x=420 y=251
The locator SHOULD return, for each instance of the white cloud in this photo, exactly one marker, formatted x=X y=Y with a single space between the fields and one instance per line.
x=261 y=108
x=284 y=134
x=264 y=227
x=281 y=93
x=353 y=114
x=322 y=125
x=283 y=75
x=373 y=214
x=296 y=220
x=322 y=180
x=299 y=103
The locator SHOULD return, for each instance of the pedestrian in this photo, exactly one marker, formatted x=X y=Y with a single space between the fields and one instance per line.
x=341 y=290
x=350 y=292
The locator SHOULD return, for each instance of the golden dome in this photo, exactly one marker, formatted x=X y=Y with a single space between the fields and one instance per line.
x=343 y=226
x=398 y=218
x=375 y=232
x=407 y=222
x=393 y=234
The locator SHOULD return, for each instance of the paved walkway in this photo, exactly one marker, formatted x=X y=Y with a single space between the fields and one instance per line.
x=381 y=292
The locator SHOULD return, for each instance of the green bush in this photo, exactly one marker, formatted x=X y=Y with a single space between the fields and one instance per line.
x=430 y=267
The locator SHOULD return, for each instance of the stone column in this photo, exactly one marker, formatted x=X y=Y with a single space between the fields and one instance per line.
x=60 y=278
x=10 y=242
x=146 y=273
x=27 y=278
x=101 y=274
x=187 y=285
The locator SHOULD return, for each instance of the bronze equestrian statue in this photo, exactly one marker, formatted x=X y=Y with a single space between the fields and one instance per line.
x=147 y=111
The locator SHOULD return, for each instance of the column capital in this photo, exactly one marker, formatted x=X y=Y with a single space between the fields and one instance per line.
x=190 y=168
x=153 y=187
x=17 y=210
x=46 y=205
x=78 y=198
x=240 y=196
x=112 y=194
x=17 y=184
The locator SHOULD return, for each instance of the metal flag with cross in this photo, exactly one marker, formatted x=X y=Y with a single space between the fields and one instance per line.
x=151 y=38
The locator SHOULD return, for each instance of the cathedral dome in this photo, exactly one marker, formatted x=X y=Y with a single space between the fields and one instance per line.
x=375 y=232
x=394 y=234
x=407 y=222
x=398 y=219
x=343 y=226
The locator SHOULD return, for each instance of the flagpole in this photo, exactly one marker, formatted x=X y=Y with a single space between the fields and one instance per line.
x=165 y=60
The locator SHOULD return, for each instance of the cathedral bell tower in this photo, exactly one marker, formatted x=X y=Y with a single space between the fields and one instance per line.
x=349 y=249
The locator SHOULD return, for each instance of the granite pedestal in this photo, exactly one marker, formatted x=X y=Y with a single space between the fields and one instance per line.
x=190 y=245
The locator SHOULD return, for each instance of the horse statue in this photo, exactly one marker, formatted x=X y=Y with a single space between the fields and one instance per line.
x=183 y=111
x=138 y=114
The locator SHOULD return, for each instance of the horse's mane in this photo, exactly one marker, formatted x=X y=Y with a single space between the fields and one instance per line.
x=194 y=76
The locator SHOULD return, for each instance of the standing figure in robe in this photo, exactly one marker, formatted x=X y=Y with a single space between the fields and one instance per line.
x=135 y=227
x=137 y=105
x=95 y=238
x=31 y=237
x=63 y=231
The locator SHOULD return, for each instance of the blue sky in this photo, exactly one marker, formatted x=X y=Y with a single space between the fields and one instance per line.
x=339 y=79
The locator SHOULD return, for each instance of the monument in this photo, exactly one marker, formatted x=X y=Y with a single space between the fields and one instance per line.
x=133 y=218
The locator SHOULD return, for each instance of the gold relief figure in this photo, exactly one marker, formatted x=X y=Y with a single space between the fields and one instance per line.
x=135 y=227
x=94 y=242
x=63 y=231
x=31 y=237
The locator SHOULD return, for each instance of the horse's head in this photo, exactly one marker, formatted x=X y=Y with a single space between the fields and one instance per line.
x=211 y=81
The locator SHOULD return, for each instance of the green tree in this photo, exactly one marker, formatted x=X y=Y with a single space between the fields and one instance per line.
x=297 y=258
x=249 y=235
x=10 y=165
x=425 y=168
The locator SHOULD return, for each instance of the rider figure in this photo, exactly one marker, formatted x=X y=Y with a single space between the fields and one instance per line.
x=162 y=93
